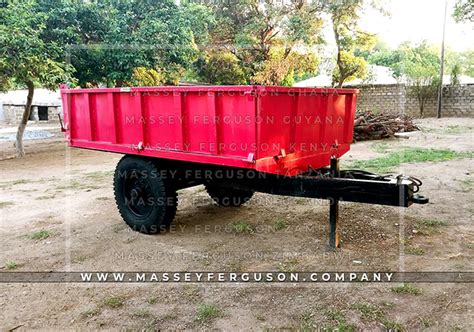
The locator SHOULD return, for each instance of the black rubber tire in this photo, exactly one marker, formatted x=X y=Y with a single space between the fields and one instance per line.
x=146 y=201
x=228 y=197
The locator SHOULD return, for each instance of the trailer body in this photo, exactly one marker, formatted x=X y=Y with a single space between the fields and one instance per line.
x=279 y=140
x=277 y=130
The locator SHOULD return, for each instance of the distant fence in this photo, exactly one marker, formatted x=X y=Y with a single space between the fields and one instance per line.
x=457 y=101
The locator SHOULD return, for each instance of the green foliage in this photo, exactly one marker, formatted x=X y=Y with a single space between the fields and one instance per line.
x=265 y=35
x=464 y=11
x=220 y=68
x=24 y=55
x=147 y=77
x=349 y=40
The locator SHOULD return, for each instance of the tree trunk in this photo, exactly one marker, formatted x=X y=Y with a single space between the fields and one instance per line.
x=24 y=121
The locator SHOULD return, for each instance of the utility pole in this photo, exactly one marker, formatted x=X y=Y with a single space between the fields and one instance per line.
x=441 y=70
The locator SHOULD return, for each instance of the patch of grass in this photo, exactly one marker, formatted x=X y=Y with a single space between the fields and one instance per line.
x=381 y=147
x=307 y=323
x=370 y=311
x=77 y=185
x=470 y=245
x=79 y=259
x=152 y=300
x=141 y=313
x=406 y=289
x=207 y=312
x=288 y=266
x=40 y=235
x=429 y=226
x=99 y=174
x=416 y=251
x=5 y=204
x=392 y=326
x=11 y=265
x=280 y=224
x=191 y=292
x=114 y=302
x=241 y=227
x=458 y=130
x=46 y=197
x=389 y=161
x=90 y=313
x=337 y=322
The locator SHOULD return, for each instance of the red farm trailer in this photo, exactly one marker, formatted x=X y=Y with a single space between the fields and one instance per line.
x=236 y=140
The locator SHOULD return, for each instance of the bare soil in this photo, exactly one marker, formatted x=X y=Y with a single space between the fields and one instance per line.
x=68 y=193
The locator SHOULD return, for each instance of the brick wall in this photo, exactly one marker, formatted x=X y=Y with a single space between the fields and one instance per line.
x=12 y=113
x=457 y=102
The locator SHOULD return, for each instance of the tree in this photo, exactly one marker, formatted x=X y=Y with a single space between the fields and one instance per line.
x=263 y=35
x=219 y=68
x=349 y=39
x=464 y=11
x=420 y=65
x=27 y=59
x=108 y=41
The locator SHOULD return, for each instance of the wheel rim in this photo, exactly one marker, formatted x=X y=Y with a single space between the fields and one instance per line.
x=138 y=194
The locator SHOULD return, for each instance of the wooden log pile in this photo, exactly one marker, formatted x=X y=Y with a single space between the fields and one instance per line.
x=371 y=126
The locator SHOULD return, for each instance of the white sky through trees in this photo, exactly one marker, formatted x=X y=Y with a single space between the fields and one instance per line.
x=415 y=20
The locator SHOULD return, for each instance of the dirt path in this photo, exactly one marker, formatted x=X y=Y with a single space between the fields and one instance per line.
x=57 y=213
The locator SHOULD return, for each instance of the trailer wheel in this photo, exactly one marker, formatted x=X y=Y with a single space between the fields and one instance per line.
x=228 y=197
x=146 y=201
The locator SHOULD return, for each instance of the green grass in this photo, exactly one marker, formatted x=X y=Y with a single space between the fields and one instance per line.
x=389 y=161
x=11 y=265
x=114 y=302
x=429 y=226
x=280 y=224
x=381 y=147
x=307 y=323
x=207 y=312
x=369 y=311
x=241 y=227
x=141 y=313
x=5 y=204
x=289 y=266
x=99 y=174
x=46 y=197
x=337 y=322
x=416 y=251
x=406 y=289
x=152 y=300
x=40 y=235
x=375 y=313
x=90 y=313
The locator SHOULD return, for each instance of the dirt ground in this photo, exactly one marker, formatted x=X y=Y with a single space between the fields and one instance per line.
x=58 y=214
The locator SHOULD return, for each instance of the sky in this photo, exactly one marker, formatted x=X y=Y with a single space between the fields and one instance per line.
x=415 y=20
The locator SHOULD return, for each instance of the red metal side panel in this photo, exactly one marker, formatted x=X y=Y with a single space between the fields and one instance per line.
x=199 y=111
x=164 y=122
x=131 y=122
x=310 y=127
x=236 y=124
x=272 y=129
x=102 y=117
x=80 y=117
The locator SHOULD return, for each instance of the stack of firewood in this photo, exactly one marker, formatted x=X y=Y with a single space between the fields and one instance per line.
x=371 y=126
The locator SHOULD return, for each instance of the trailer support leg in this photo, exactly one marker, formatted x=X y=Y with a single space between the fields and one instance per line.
x=334 y=210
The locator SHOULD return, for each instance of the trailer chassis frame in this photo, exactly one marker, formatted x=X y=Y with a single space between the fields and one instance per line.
x=332 y=184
